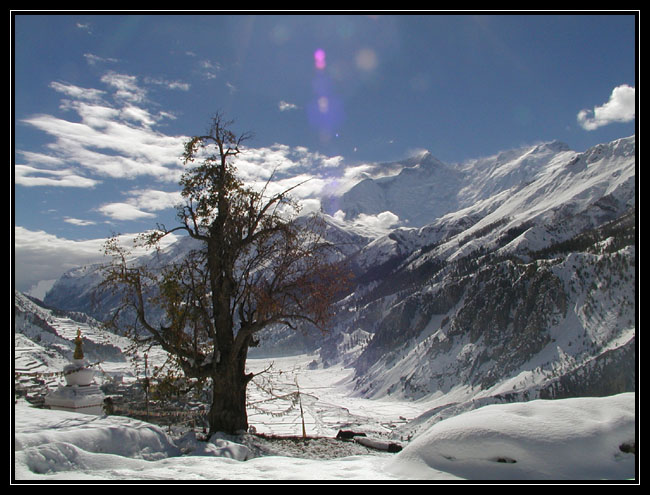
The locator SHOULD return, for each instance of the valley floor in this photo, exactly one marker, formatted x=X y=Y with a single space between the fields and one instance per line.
x=561 y=440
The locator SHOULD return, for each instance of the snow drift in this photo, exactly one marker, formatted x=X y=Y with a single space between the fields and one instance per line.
x=566 y=439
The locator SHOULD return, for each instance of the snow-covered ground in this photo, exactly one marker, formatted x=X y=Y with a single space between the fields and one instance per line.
x=540 y=440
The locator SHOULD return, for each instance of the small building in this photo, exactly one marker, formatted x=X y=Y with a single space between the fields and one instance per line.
x=80 y=393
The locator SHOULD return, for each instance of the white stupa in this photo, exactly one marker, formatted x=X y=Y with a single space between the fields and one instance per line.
x=80 y=393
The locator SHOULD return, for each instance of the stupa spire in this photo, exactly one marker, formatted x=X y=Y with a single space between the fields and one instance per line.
x=78 y=350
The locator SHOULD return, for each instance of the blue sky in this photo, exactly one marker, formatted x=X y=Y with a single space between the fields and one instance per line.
x=102 y=104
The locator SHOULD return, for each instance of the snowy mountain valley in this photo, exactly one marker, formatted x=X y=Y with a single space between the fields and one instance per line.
x=499 y=295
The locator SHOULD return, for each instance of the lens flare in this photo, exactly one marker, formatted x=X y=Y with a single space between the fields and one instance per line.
x=319 y=59
x=323 y=104
x=366 y=59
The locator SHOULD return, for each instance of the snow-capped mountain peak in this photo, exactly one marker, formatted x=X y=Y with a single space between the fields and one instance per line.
x=506 y=278
x=425 y=188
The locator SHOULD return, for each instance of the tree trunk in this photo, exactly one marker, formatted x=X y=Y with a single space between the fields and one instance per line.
x=228 y=409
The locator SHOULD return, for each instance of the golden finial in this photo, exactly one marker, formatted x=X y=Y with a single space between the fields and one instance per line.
x=78 y=351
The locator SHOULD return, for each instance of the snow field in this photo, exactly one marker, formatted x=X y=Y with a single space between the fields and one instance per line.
x=569 y=439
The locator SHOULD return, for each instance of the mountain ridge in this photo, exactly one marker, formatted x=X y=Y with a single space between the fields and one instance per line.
x=524 y=289
x=432 y=188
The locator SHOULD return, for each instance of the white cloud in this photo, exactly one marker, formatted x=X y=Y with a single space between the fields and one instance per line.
x=309 y=206
x=43 y=256
x=118 y=139
x=112 y=133
x=126 y=86
x=123 y=211
x=94 y=59
x=30 y=177
x=79 y=221
x=93 y=114
x=285 y=106
x=85 y=26
x=619 y=108
x=117 y=142
x=140 y=204
x=380 y=223
x=180 y=85
x=41 y=158
x=73 y=91
x=115 y=136
x=339 y=215
x=153 y=200
x=257 y=164
x=209 y=69
x=138 y=115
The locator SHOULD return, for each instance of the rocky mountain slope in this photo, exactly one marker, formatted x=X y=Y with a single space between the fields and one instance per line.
x=509 y=277
x=527 y=293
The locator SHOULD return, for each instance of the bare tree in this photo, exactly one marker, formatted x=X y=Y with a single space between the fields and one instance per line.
x=259 y=265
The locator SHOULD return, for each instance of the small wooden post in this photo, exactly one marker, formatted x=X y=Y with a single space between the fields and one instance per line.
x=302 y=416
